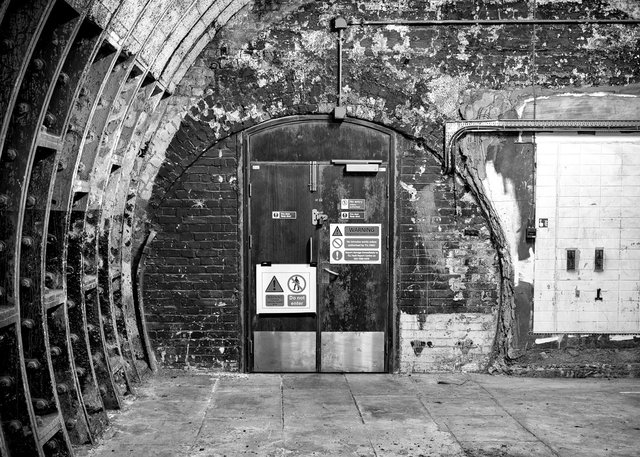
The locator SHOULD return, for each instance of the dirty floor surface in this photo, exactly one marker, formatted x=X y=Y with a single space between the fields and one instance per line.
x=196 y=415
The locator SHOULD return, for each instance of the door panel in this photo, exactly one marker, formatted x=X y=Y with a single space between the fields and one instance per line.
x=280 y=187
x=285 y=351
x=352 y=351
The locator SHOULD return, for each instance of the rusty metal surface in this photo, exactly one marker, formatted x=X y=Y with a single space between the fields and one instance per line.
x=20 y=30
x=352 y=352
x=15 y=402
x=284 y=351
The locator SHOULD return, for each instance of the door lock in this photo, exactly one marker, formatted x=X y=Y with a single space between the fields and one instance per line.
x=317 y=217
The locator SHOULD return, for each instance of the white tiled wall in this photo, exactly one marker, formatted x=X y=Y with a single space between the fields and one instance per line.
x=588 y=187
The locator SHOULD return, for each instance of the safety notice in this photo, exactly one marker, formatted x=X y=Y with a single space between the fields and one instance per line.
x=285 y=288
x=355 y=243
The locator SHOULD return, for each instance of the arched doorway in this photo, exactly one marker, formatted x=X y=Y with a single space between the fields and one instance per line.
x=319 y=240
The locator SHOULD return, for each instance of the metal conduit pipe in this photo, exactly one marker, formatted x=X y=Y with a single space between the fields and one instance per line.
x=463 y=22
x=454 y=131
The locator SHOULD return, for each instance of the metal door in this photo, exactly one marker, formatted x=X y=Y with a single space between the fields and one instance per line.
x=330 y=216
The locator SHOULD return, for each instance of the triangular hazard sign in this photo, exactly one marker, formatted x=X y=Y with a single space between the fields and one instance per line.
x=274 y=286
x=337 y=231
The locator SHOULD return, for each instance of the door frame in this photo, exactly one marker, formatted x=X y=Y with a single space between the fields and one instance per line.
x=245 y=286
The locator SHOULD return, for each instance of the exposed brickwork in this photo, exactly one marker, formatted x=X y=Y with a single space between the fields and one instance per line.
x=455 y=254
x=191 y=287
x=445 y=257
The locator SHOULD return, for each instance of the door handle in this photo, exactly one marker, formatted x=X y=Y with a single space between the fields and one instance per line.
x=331 y=272
x=317 y=217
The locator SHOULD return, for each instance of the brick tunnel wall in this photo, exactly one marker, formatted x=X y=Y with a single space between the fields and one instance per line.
x=110 y=109
x=411 y=80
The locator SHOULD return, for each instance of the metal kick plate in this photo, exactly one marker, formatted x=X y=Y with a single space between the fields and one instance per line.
x=284 y=351
x=352 y=351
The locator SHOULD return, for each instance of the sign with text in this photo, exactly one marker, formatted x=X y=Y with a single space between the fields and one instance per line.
x=355 y=243
x=352 y=204
x=285 y=288
x=284 y=214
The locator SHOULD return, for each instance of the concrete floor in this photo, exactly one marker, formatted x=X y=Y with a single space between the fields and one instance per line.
x=200 y=415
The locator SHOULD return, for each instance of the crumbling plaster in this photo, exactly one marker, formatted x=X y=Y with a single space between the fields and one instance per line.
x=279 y=61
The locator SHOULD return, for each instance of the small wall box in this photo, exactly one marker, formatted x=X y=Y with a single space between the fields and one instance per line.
x=285 y=289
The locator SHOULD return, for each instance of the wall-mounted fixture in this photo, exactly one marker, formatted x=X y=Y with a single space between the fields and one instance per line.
x=571 y=260
x=599 y=259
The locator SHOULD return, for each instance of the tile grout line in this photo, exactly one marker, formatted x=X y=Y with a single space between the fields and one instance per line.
x=204 y=416
x=355 y=402
x=282 y=404
x=448 y=430
x=548 y=446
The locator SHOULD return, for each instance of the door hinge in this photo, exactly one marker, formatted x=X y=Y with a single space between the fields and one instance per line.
x=250 y=241
x=251 y=347
x=387 y=242
x=249 y=189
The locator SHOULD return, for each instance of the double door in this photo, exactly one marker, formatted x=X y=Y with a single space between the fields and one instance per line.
x=318 y=263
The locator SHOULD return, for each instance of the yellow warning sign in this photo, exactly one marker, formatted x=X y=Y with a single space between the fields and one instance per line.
x=274 y=286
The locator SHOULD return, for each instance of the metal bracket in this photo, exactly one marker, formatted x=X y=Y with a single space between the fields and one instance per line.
x=454 y=131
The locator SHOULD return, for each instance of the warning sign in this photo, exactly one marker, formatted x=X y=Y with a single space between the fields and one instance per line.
x=285 y=288
x=354 y=204
x=296 y=284
x=356 y=215
x=274 y=286
x=274 y=300
x=356 y=243
x=284 y=214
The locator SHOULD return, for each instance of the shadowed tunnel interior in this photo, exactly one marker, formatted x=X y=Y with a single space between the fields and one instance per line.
x=134 y=134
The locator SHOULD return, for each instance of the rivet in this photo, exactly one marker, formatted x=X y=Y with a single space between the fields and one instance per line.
x=27 y=241
x=26 y=283
x=49 y=279
x=15 y=426
x=7 y=45
x=71 y=304
x=11 y=154
x=62 y=164
x=49 y=120
x=84 y=91
x=29 y=324
x=38 y=64
x=51 y=238
x=6 y=382
x=74 y=338
x=70 y=424
x=31 y=201
x=103 y=390
x=51 y=445
x=4 y=201
x=80 y=372
x=33 y=364
x=62 y=388
x=3 y=246
x=63 y=78
x=55 y=351
x=23 y=108
x=91 y=328
x=40 y=404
